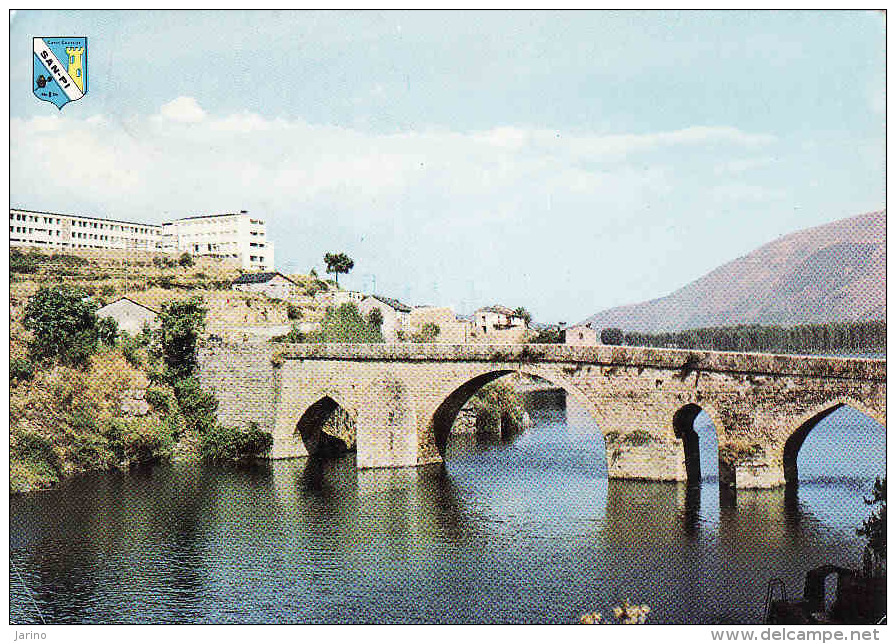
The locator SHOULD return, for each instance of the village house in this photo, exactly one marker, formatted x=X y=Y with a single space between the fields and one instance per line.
x=274 y=285
x=129 y=315
x=451 y=329
x=581 y=335
x=497 y=318
x=396 y=316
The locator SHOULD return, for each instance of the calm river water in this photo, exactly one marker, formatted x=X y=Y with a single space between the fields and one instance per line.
x=525 y=531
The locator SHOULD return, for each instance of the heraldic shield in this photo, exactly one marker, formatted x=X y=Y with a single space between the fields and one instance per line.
x=60 y=69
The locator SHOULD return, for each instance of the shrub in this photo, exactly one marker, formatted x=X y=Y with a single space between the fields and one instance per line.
x=20 y=370
x=293 y=312
x=160 y=400
x=612 y=336
x=294 y=336
x=130 y=349
x=107 y=289
x=196 y=405
x=185 y=260
x=64 y=324
x=107 y=330
x=20 y=262
x=428 y=333
x=136 y=441
x=222 y=444
x=181 y=323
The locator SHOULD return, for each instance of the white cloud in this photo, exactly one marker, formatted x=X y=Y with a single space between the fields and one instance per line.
x=556 y=196
x=183 y=109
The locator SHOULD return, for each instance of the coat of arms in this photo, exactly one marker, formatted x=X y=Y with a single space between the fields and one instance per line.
x=60 y=69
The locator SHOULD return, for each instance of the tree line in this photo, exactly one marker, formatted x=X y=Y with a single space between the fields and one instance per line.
x=830 y=337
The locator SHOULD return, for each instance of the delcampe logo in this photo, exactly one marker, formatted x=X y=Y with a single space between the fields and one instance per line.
x=60 y=69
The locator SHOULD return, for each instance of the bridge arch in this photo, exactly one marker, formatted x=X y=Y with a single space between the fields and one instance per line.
x=460 y=391
x=683 y=425
x=323 y=414
x=808 y=421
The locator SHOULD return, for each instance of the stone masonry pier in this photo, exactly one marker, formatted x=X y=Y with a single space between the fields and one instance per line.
x=402 y=399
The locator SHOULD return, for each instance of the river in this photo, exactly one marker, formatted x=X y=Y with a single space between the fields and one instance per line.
x=525 y=531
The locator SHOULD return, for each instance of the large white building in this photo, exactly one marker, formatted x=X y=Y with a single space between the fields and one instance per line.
x=229 y=235
x=235 y=236
x=54 y=230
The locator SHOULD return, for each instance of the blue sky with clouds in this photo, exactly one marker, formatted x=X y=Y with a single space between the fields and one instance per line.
x=566 y=161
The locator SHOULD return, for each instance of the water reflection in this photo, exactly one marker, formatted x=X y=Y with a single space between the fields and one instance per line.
x=528 y=531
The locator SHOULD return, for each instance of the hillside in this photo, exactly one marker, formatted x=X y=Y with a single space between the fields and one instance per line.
x=834 y=272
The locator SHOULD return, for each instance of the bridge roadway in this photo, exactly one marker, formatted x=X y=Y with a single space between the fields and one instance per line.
x=400 y=400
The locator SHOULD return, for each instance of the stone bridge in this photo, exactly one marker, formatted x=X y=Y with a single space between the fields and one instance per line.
x=402 y=400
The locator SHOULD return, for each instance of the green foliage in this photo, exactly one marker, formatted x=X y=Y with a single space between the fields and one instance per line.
x=551 y=335
x=294 y=336
x=68 y=260
x=428 y=333
x=64 y=323
x=222 y=444
x=107 y=330
x=196 y=405
x=160 y=400
x=20 y=370
x=107 y=289
x=338 y=263
x=637 y=438
x=136 y=441
x=521 y=311
x=185 y=260
x=293 y=312
x=874 y=528
x=345 y=324
x=612 y=336
x=497 y=407
x=832 y=337
x=20 y=262
x=181 y=324
x=375 y=318
x=130 y=349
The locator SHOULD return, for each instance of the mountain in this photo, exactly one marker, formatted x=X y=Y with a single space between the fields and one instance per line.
x=835 y=272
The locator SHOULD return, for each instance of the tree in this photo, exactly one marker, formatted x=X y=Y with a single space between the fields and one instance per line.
x=338 y=263
x=185 y=260
x=612 y=336
x=874 y=528
x=64 y=323
x=107 y=330
x=345 y=324
x=428 y=333
x=521 y=312
x=181 y=324
x=375 y=318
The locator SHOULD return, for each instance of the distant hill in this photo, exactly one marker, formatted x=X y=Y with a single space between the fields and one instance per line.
x=835 y=272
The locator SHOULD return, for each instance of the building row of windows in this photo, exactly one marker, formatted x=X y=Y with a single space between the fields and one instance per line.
x=78 y=223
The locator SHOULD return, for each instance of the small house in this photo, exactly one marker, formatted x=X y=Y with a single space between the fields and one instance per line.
x=129 y=315
x=497 y=318
x=396 y=315
x=275 y=285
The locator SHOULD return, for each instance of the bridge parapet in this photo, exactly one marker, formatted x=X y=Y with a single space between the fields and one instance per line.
x=870 y=370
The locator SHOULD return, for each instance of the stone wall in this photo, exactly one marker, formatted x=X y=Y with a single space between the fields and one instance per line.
x=404 y=399
x=243 y=379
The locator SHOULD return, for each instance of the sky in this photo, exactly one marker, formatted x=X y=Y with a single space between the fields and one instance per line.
x=562 y=161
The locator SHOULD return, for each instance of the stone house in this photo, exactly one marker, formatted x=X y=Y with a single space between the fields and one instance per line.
x=275 y=285
x=347 y=297
x=451 y=329
x=496 y=318
x=129 y=315
x=396 y=315
x=581 y=335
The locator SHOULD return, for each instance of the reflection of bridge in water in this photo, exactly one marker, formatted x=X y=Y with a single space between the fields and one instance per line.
x=401 y=400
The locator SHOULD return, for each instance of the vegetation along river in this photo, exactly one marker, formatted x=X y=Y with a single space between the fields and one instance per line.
x=528 y=530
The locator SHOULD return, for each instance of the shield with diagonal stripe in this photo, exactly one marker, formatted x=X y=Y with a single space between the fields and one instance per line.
x=60 y=69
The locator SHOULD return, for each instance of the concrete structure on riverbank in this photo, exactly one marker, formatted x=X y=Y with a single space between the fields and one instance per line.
x=403 y=400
